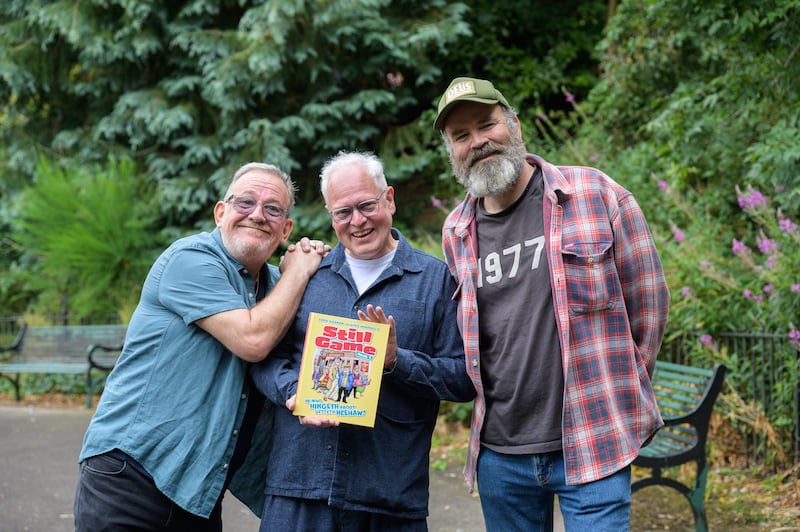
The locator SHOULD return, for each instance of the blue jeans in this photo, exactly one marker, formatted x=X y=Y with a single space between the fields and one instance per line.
x=517 y=493
x=113 y=495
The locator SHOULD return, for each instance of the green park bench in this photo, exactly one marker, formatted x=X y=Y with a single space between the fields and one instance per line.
x=686 y=397
x=63 y=349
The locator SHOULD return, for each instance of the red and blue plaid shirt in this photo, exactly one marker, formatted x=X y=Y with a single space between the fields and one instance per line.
x=611 y=302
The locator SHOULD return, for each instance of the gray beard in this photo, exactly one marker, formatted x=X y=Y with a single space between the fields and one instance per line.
x=494 y=177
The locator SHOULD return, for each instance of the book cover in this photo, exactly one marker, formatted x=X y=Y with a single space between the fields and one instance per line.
x=341 y=369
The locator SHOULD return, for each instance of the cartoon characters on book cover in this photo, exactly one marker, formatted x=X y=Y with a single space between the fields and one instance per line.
x=341 y=369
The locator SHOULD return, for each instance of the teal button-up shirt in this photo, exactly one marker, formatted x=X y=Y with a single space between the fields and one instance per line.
x=176 y=399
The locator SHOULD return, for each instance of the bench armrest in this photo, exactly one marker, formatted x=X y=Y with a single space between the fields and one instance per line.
x=103 y=362
x=17 y=341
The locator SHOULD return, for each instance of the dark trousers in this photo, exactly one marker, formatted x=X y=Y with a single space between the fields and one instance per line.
x=289 y=514
x=112 y=495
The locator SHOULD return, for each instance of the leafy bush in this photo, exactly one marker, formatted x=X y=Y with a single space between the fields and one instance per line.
x=89 y=232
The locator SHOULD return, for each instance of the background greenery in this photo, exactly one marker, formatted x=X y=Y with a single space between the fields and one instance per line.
x=122 y=120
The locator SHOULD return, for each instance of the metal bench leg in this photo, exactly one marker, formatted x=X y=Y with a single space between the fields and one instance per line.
x=696 y=497
x=89 y=388
x=15 y=383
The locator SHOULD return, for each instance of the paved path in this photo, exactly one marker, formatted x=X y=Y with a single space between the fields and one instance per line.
x=38 y=452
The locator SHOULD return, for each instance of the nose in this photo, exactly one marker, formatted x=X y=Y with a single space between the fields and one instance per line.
x=477 y=139
x=357 y=218
x=258 y=214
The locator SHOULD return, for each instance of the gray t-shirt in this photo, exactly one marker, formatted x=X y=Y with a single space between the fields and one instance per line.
x=520 y=351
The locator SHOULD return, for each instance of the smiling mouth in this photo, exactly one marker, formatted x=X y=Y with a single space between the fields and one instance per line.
x=254 y=228
x=483 y=156
x=362 y=234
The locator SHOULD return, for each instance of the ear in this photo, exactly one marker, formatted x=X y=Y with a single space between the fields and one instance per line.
x=390 y=199
x=288 y=225
x=219 y=212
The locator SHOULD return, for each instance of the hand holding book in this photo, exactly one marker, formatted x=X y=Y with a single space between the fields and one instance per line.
x=376 y=315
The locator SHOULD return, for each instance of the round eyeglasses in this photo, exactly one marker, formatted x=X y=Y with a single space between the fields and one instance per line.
x=246 y=205
x=367 y=208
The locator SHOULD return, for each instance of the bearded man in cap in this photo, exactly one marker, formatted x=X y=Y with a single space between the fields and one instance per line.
x=560 y=265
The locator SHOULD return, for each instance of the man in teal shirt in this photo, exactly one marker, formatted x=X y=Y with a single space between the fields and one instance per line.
x=178 y=421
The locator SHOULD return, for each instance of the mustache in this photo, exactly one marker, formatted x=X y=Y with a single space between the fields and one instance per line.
x=490 y=148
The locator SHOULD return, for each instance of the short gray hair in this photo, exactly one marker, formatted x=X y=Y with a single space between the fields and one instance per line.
x=270 y=169
x=368 y=160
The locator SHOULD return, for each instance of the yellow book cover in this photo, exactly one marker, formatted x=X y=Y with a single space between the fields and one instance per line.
x=341 y=369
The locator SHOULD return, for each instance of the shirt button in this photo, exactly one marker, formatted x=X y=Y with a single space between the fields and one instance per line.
x=225 y=466
x=251 y=295
x=474 y=362
x=244 y=396
x=235 y=432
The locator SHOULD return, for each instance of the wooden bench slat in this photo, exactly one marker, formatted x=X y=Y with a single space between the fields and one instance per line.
x=43 y=367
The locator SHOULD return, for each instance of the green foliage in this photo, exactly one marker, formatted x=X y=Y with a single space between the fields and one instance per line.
x=87 y=233
x=191 y=90
x=460 y=413
x=37 y=384
x=700 y=84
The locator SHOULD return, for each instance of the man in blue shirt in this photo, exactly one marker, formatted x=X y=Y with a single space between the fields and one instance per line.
x=175 y=422
x=329 y=477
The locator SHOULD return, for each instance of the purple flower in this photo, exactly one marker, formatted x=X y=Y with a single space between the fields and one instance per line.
x=738 y=247
x=570 y=97
x=794 y=335
x=786 y=225
x=686 y=291
x=663 y=185
x=706 y=340
x=747 y=293
x=678 y=235
x=796 y=287
x=768 y=246
x=752 y=200
x=768 y=287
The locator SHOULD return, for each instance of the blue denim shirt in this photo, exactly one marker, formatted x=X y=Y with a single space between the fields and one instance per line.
x=383 y=469
x=176 y=398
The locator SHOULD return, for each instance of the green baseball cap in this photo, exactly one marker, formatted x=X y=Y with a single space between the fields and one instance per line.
x=467 y=90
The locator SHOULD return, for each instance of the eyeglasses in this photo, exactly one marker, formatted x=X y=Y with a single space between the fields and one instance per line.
x=367 y=208
x=246 y=205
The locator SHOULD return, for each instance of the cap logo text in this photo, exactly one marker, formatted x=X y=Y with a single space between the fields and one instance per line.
x=460 y=89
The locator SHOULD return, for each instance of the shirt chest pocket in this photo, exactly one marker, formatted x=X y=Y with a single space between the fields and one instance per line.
x=591 y=275
x=411 y=317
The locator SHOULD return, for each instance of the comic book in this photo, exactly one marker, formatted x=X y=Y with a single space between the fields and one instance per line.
x=341 y=369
